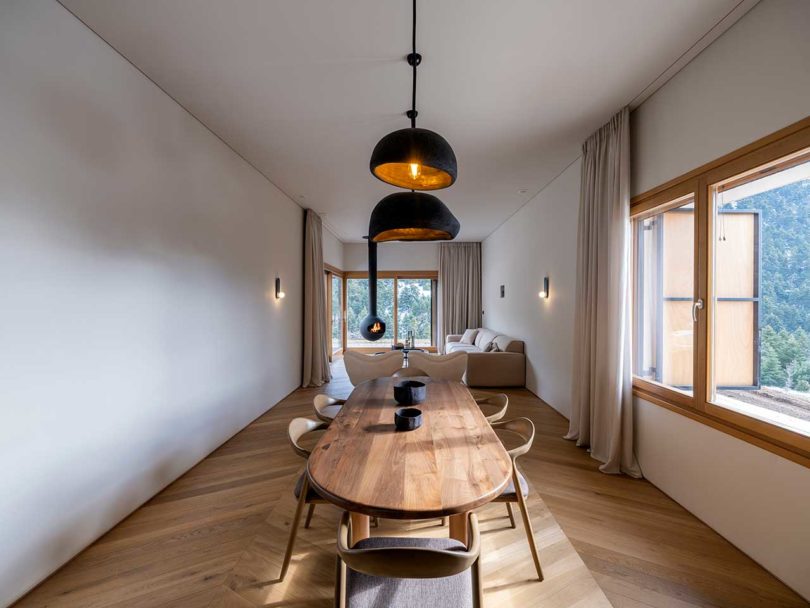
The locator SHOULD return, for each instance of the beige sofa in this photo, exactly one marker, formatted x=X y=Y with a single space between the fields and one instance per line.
x=504 y=368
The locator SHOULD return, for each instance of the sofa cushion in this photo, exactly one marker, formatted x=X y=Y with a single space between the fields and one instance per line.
x=454 y=347
x=509 y=345
x=485 y=338
x=469 y=336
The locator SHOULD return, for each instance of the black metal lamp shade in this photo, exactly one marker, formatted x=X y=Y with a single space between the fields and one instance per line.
x=413 y=158
x=412 y=216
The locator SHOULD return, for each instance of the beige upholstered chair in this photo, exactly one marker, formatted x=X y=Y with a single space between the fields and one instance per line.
x=518 y=489
x=441 y=367
x=362 y=367
x=407 y=572
x=409 y=372
x=493 y=405
x=296 y=430
x=326 y=407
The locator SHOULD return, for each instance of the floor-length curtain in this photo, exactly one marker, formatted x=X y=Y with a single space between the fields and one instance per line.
x=602 y=407
x=459 y=288
x=316 y=346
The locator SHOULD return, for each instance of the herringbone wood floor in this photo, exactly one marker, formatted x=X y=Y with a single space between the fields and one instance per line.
x=215 y=537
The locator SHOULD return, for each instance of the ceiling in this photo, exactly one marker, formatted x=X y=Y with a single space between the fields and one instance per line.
x=304 y=89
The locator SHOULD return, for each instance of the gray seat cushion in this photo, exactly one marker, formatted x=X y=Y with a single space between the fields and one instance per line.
x=311 y=494
x=510 y=489
x=364 y=591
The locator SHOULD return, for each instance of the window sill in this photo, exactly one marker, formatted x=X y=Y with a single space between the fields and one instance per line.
x=795 y=452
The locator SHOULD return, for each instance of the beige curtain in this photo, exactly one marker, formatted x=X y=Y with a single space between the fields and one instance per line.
x=316 y=346
x=459 y=288
x=602 y=406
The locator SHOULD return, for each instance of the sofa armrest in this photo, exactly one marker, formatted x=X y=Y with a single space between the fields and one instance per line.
x=453 y=338
x=495 y=369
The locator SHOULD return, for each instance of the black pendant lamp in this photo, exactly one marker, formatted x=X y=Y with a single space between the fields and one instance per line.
x=412 y=216
x=416 y=159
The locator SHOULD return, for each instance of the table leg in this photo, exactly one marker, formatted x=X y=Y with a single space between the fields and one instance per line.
x=458 y=527
x=360 y=527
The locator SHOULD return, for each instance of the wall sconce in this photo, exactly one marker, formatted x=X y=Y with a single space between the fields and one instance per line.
x=544 y=292
x=279 y=294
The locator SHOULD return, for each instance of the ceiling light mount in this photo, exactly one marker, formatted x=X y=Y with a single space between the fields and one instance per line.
x=416 y=159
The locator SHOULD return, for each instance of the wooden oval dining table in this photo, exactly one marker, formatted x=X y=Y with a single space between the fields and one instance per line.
x=449 y=466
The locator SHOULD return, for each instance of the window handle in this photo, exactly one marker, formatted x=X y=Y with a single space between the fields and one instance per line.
x=696 y=306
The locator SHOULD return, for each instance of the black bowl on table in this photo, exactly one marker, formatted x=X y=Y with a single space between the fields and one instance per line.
x=407 y=418
x=409 y=392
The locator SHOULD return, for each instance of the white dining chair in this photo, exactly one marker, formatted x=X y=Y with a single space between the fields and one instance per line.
x=493 y=405
x=326 y=407
x=361 y=368
x=517 y=491
x=440 y=367
x=409 y=571
x=304 y=493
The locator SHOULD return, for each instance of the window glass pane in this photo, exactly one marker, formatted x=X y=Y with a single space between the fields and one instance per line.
x=414 y=309
x=337 y=312
x=357 y=309
x=761 y=297
x=664 y=257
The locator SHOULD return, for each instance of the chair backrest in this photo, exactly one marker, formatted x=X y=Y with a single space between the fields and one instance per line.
x=523 y=428
x=409 y=372
x=498 y=401
x=408 y=562
x=299 y=427
x=321 y=402
x=362 y=367
x=441 y=367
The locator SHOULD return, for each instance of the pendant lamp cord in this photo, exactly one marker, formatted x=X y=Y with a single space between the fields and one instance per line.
x=413 y=92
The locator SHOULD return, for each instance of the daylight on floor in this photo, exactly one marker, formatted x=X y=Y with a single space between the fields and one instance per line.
x=396 y=303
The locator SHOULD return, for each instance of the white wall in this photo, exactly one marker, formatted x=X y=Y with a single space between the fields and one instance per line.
x=332 y=249
x=539 y=240
x=392 y=256
x=137 y=261
x=752 y=81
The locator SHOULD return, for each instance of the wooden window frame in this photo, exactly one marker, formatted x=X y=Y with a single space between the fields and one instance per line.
x=329 y=272
x=433 y=275
x=772 y=153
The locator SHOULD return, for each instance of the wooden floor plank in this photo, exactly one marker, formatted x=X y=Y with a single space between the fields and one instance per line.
x=215 y=537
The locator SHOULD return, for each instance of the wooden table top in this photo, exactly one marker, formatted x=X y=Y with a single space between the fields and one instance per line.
x=452 y=464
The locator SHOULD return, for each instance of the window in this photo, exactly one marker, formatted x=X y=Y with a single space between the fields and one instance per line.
x=336 y=305
x=760 y=303
x=721 y=261
x=357 y=309
x=405 y=301
x=664 y=246
x=415 y=310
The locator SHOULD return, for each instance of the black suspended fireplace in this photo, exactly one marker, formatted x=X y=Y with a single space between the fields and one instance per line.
x=372 y=327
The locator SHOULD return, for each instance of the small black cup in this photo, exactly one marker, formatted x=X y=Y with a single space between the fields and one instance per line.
x=409 y=392
x=407 y=418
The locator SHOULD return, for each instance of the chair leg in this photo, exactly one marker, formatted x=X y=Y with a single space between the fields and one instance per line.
x=527 y=524
x=293 y=531
x=444 y=521
x=511 y=514
x=478 y=589
x=310 y=512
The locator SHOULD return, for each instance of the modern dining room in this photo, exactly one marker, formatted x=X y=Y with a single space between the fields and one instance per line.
x=396 y=303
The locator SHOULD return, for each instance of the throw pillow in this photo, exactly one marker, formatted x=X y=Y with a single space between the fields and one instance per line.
x=486 y=347
x=494 y=348
x=469 y=336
